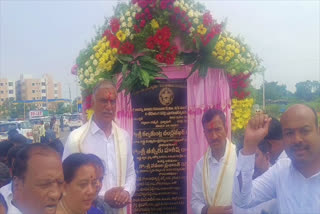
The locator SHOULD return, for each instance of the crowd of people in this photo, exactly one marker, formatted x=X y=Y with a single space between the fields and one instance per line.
x=275 y=170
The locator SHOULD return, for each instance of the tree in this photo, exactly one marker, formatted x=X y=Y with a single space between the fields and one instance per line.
x=308 y=90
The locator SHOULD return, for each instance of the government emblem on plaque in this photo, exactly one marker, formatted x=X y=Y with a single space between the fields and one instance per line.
x=166 y=96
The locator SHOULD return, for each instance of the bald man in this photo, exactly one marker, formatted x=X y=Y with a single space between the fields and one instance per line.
x=295 y=182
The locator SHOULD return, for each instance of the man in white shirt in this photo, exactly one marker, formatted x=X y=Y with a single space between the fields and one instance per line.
x=101 y=136
x=295 y=182
x=211 y=187
x=274 y=137
x=37 y=181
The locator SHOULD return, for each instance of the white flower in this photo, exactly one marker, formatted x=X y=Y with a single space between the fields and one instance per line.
x=81 y=77
x=86 y=73
x=85 y=81
x=190 y=13
x=127 y=32
x=100 y=79
x=91 y=57
x=134 y=14
x=123 y=24
x=197 y=14
x=130 y=24
x=233 y=71
x=90 y=69
x=176 y=4
x=248 y=61
x=196 y=21
x=91 y=76
x=246 y=72
x=183 y=8
x=95 y=62
x=132 y=36
x=248 y=55
x=128 y=13
x=192 y=29
x=87 y=63
x=121 y=18
x=81 y=70
x=139 y=9
x=129 y=19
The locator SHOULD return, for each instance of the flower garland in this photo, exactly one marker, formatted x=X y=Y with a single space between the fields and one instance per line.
x=141 y=37
x=241 y=113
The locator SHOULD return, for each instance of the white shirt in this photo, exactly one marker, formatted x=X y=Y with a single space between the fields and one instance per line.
x=97 y=143
x=294 y=193
x=198 y=200
x=6 y=191
x=282 y=155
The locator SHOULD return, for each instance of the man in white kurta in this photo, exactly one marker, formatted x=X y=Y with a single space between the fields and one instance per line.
x=295 y=181
x=212 y=179
x=102 y=136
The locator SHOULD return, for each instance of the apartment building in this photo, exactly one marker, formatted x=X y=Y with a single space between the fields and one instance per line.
x=28 y=88
x=7 y=90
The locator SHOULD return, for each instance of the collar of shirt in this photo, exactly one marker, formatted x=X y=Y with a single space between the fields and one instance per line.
x=95 y=129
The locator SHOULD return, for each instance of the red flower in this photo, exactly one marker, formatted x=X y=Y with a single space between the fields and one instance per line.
x=164 y=46
x=149 y=16
x=174 y=50
x=115 y=25
x=150 y=43
x=176 y=10
x=114 y=42
x=163 y=4
x=137 y=29
x=183 y=27
x=160 y=58
x=207 y=19
x=127 y=48
x=183 y=13
x=142 y=23
x=142 y=3
x=147 y=10
x=138 y=16
x=170 y=59
x=107 y=34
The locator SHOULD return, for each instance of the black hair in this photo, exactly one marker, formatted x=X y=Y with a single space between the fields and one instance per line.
x=275 y=130
x=12 y=153
x=72 y=163
x=5 y=177
x=97 y=162
x=11 y=133
x=4 y=148
x=264 y=146
x=20 y=165
x=210 y=114
x=18 y=139
x=57 y=145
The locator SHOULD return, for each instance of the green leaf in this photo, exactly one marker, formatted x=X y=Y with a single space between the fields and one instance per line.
x=125 y=58
x=147 y=59
x=145 y=77
x=189 y=58
x=124 y=70
x=150 y=66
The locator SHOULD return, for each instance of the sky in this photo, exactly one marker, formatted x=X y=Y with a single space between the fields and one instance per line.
x=38 y=37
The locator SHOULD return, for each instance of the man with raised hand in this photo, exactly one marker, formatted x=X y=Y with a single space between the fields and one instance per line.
x=294 y=182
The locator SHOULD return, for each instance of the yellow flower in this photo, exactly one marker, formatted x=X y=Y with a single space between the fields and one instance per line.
x=114 y=50
x=227 y=59
x=220 y=58
x=202 y=30
x=214 y=53
x=89 y=113
x=154 y=24
x=121 y=36
x=236 y=50
x=97 y=55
